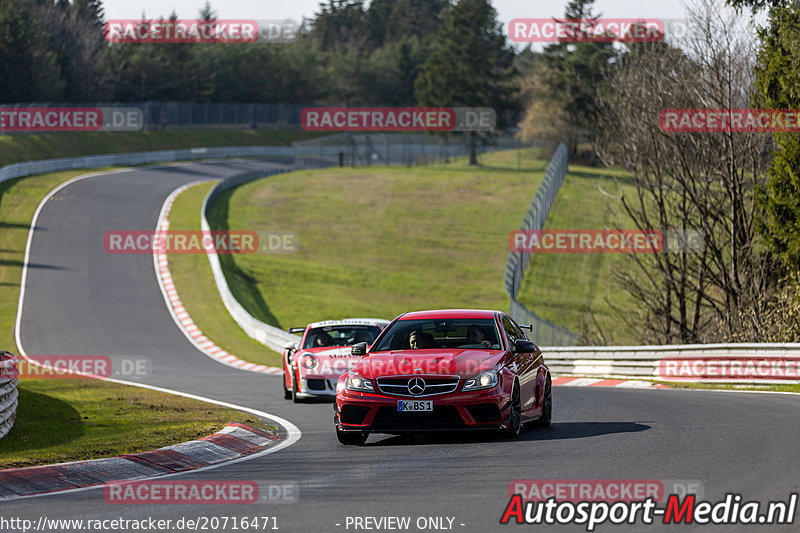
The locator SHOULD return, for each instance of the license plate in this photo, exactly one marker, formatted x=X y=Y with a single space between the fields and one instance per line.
x=414 y=405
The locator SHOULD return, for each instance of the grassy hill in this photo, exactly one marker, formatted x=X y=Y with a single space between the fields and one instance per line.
x=379 y=241
x=34 y=146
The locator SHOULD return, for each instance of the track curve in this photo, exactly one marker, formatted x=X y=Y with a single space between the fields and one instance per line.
x=80 y=300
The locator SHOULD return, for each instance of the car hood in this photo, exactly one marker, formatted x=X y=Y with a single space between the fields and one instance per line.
x=462 y=363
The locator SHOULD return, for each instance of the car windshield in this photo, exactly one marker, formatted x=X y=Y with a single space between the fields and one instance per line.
x=480 y=334
x=345 y=335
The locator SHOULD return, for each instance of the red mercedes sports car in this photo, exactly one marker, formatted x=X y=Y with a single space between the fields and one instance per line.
x=444 y=370
x=312 y=367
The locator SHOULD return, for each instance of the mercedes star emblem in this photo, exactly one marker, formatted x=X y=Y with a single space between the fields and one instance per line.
x=416 y=386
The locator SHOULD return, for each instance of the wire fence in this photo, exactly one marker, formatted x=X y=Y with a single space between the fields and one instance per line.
x=369 y=149
x=183 y=115
x=544 y=331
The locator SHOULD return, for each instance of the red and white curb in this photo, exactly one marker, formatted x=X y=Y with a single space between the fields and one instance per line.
x=601 y=382
x=179 y=312
x=232 y=442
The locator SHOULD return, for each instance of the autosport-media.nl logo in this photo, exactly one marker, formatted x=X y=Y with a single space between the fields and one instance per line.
x=592 y=502
x=78 y=367
x=60 y=119
x=200 y=242
x=193 y=31
x=605 y=241
x=398 y=119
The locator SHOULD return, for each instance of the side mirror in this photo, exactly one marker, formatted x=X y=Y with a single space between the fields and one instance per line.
x=360 y=349
x=523 y=346
x=291 y=346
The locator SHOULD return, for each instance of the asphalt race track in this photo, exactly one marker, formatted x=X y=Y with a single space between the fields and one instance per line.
x=81 y=300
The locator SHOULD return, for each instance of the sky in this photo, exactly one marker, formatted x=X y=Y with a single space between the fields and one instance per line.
x=297 y=9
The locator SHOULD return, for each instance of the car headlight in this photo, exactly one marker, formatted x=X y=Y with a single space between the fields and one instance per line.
x=308 y=361
x=357 y=383
x=484 y=380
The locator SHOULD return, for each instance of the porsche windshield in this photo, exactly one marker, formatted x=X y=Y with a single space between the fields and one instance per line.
x=462 y=333
x=345 y=335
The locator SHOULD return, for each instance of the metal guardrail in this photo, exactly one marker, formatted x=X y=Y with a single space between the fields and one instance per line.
x=272 y=337
x=644 y=362
x=28 y=168
x=544 y=331
x=8 y=391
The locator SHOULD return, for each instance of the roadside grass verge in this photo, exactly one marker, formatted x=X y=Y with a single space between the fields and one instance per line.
x=732 y=386
x=579 y=290
x=80 y=419
x=195 y=284
x=35 y=146
x=376 y=242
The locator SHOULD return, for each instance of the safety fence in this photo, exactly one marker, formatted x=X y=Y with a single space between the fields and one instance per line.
x=544 y=331
x=368 y=149
x=8 y=391
x=725 y=363
x=274 y=338
x=183 y=115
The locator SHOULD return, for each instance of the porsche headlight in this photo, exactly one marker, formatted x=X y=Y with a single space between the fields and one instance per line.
x=357 y=383
x=484 y=380
x=308 y=361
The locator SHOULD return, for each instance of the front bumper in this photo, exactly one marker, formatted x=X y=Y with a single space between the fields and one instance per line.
x=457 y=411
x=316 y=387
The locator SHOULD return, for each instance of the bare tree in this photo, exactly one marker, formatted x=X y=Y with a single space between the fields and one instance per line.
x=686 y=182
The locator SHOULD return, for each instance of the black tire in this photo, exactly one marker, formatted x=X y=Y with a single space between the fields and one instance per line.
x=547 y=406
x=515 y=419
x=287 y=394
x=348 y=438
x=295 y=399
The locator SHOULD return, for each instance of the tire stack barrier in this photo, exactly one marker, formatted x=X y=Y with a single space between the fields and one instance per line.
x=8 y=391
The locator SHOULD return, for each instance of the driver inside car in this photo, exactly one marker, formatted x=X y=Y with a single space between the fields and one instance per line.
x=419 y=340
x=475 y=335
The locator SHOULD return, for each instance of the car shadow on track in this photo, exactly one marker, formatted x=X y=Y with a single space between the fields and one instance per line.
x=557 y=431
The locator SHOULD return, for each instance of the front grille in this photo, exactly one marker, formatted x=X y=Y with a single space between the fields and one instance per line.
x=317 y=384
x=442 y=417
x=433 y=386
x=353 y=414
x=484 y=413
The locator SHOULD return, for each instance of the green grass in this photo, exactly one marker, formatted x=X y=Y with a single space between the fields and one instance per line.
x=33 y=146
x=74 y=420
x=732 y=386
x=379 y=241
x=578 y=290
x=195 y=284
